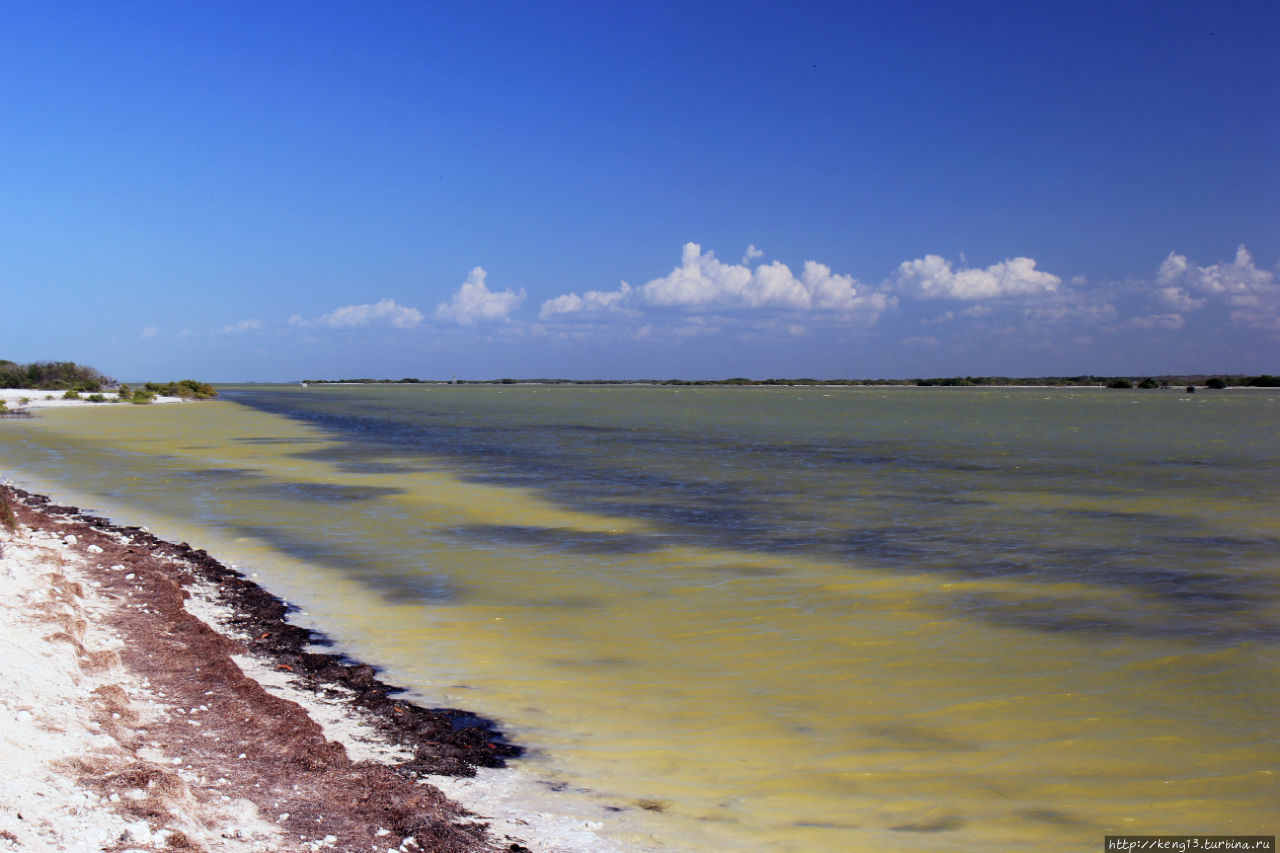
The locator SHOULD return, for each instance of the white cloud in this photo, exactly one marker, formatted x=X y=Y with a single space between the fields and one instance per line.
x=473 y=302
x=702 y=281
x=592 y=301
x=384 y=312
x=932 y=277
x=241 y=327
x=751 y=254
x=149 y=332
x=1173 y=268
x=1178 y=299
x=1252 y=292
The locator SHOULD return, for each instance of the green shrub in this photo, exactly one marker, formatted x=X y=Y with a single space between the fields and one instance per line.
x=142 y=397
x=7 y=517
x=96 y=398
x=71 y=394
x=1148 y=383
x=1119 y=383
x=1217 y=382
x=187 y=389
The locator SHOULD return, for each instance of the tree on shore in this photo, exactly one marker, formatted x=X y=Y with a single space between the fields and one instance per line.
x=51 y=376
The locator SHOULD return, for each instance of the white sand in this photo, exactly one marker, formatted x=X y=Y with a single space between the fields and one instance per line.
x=51 y=729
x=13 y=398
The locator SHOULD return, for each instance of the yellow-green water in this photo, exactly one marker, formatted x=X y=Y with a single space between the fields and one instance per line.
x=792 y=619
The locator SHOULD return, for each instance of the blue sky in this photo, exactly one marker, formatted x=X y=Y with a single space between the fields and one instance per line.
x=279 y=190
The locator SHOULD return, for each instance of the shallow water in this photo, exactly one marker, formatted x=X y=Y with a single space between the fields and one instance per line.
x=768 y=618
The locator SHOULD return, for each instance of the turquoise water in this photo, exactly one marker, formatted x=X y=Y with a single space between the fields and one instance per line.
x=769 y=618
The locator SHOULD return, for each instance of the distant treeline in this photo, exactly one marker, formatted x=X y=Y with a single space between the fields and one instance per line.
x=1233 y=380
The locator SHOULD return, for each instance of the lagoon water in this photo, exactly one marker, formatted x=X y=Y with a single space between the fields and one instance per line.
x=768 y=618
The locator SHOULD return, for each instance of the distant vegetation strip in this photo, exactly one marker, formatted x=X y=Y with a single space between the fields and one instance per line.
x=1264 y=380
x=75 y=379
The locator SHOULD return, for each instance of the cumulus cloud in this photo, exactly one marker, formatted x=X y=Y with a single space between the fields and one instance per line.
x=751 y=254
x=593 y=301
x=474 y=303
x=1179 y=299
x=1253 y=293
x=932 y=277
x=702 y=281
x=384 y=312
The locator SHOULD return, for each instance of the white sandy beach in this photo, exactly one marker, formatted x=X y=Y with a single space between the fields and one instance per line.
x=28 y=398
x=63 y=697
x=108 y=744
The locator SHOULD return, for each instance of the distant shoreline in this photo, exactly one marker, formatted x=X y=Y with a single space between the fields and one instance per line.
x=1165 y=381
